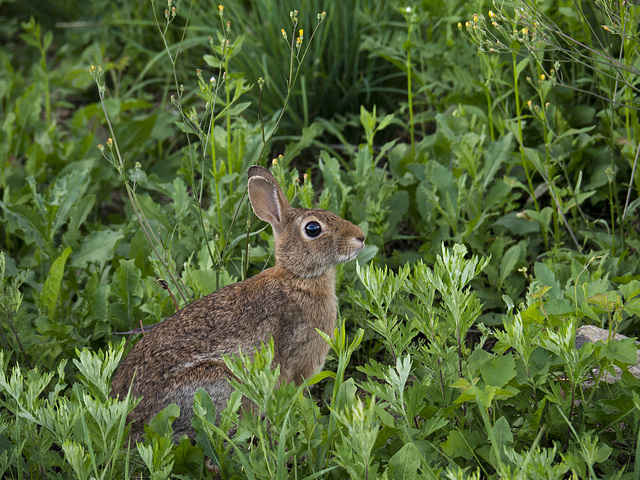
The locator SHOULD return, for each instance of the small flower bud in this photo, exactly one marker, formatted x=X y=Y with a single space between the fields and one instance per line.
x=110 y=142
x=284 y=34
x=221 y=10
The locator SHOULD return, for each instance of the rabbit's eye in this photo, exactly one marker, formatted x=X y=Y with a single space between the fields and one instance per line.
x=313 y=229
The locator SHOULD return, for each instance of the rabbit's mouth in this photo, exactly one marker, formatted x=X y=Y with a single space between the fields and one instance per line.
x=353 y=255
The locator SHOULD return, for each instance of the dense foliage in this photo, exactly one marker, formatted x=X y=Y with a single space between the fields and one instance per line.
x=489 y=152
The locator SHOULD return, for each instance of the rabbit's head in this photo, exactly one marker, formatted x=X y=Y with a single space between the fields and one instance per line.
x=307 y=241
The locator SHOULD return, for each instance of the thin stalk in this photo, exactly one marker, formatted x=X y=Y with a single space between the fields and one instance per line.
x=290 y=82
x=520 y=137
x=409 y=90
x=146 y=228
x=633 y=173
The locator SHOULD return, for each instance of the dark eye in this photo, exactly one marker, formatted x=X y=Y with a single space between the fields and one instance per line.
x=313 y=229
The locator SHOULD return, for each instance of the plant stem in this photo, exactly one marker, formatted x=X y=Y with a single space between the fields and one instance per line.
x=520 y=137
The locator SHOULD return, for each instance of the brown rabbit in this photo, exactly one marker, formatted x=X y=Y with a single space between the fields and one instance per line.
x=287 y=302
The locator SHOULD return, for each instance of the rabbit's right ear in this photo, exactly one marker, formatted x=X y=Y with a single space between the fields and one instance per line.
x=266 y=196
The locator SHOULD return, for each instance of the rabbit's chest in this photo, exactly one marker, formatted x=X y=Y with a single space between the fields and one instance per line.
x=302 y=350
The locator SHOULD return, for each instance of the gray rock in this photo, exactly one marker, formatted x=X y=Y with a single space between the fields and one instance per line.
x=593 y=334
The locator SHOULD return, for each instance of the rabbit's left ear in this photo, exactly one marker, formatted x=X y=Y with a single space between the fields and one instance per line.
x=266 y=196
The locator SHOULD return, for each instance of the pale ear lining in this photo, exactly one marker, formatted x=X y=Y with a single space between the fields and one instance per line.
x=264 y=199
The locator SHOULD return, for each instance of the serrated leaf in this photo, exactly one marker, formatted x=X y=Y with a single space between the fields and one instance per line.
x=461 y=443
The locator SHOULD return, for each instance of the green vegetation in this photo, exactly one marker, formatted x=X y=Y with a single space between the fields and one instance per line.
x=489 y=152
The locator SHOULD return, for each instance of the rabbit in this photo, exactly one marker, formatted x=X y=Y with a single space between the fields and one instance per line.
x=287 y=302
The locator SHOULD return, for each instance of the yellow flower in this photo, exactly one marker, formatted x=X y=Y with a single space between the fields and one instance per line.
x=459 y=26
x=525 y=31
x=543 y=77
x=491 y=14
x=475 y=18
x=221 y=9
x=284 y=34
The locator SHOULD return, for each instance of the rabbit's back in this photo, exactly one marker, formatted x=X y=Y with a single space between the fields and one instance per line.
x=185 y=352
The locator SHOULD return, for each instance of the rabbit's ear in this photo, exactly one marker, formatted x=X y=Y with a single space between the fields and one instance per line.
x=266 y=197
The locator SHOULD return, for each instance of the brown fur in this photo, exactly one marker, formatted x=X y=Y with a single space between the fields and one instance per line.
x=287 y=302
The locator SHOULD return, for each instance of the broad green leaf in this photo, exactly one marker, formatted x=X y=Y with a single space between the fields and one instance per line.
x=405 y=463
x=510 y=261
x=97 y=247
x=187 y=458
x=499 y=371
x=161 y=423
x=127 y=282
x=621 y=351
x=51 y=287
x=318 y=377
x=502 y=434
x=630 y=290
x=548 y=278
x=79 y=213
x=205 y=414
x=461 y=443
